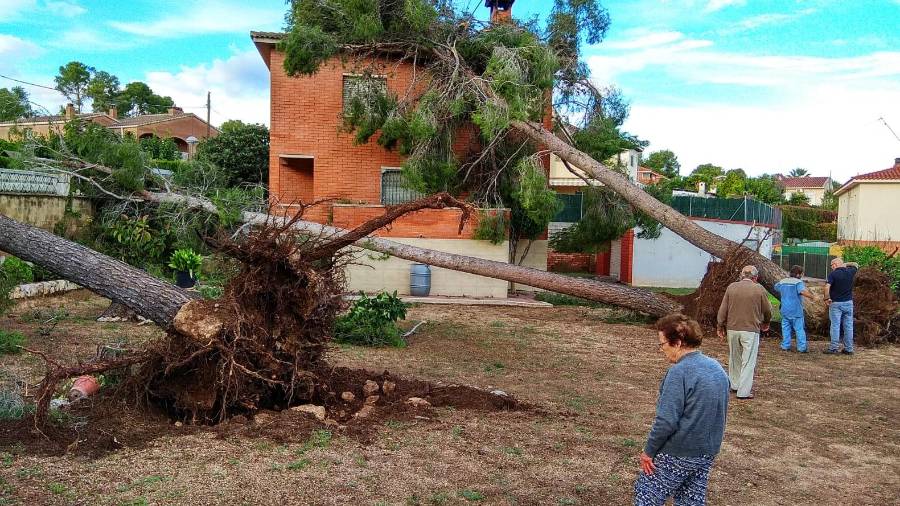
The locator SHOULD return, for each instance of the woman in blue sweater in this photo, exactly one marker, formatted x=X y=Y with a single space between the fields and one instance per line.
x=690 y=419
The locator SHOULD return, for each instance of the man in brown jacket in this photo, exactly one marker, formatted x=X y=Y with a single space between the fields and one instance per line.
x=745 y=310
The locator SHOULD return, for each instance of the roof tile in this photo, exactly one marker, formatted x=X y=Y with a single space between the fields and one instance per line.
x=804 y=182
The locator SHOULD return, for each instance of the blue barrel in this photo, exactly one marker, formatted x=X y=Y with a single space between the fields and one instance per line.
x=419 y=280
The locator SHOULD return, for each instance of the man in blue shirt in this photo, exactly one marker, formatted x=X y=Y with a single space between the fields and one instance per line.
x=791 y=289
x=839 y=297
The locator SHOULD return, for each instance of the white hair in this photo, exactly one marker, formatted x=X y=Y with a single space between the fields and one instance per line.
x=749 y=272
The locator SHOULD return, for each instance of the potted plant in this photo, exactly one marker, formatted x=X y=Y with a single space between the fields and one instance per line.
x=185 y=262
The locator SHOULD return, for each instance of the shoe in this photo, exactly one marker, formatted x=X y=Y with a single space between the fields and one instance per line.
x=747 y=398
x=845 y=352
x=831 y=352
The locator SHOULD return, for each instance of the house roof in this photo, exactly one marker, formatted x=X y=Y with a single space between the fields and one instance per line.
x=891 y=174
x=804 y=182
x=135 y=121
x=648 y=169
x=53 y=118
x=262 y=36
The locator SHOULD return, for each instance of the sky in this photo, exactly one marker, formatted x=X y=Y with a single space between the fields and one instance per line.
x=763 y=85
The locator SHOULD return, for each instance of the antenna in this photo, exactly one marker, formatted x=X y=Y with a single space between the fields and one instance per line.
x=881 y=119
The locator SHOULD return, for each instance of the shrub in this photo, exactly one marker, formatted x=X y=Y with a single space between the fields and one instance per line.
x=372 y=321
x=10 y=342
x=873 y=256
x=13 y=272
x=809 y=223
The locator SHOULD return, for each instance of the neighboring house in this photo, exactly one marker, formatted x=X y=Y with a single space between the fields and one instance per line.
x=312 y=159
x=813 y=187
x=869 y=209
x=647 y=176
x=174 y=124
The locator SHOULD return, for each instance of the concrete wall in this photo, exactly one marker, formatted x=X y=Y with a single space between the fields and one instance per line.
x=42 y=211
x=374 y=273
x=670 y=261
x=815 y=195
x=869 y=212
x=536 y=259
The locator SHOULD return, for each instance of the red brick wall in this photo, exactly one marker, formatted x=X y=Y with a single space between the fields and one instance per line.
x=569 y=262
x=427 y=223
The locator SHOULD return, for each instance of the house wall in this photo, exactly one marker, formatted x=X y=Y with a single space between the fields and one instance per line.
x=537 y=258
x=42 y=211
x=629 y=160
x=373 y=272
x=182 y=127
x=671 y=261
x=869 y=213
x=816 y=195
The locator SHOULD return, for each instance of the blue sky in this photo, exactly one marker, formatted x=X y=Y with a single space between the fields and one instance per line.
x=766 y=85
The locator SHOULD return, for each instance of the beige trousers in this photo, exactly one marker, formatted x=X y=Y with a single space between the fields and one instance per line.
x=742 y=349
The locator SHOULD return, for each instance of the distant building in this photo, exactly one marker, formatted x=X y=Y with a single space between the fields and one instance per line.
x=647 y=176
x=869 y=207
x=174 y=124
x=814 y=187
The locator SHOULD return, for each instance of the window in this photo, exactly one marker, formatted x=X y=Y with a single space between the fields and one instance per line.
x=393 y=189
x=363 y=87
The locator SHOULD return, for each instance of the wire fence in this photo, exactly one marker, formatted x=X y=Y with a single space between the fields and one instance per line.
x=745 y=209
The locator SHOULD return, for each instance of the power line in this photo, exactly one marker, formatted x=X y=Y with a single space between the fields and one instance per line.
x=889 y=128
x=29 y=84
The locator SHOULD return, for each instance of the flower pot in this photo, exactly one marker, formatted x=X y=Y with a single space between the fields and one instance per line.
x=83 y=386
x=183 y=279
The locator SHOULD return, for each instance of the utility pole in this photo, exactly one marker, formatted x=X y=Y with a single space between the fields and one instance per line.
x=208 y=107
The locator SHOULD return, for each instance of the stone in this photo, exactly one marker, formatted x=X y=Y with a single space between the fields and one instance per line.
x=366 y=410
x=317 y=411
x=370 y=388
x=178 y=424
x=418 y=402
x=331 y=422
x=194 y=320
x=388 y=387
x=372 y=399
x=501 y=393
x=348 y=397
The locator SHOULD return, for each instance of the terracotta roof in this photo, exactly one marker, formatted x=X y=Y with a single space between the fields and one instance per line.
x=889 y=174
x=145 y=119
x=56 y=118
x=804 y=182
x=267 y=35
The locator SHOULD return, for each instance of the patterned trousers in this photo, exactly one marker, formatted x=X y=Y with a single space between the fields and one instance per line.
x=684 y=478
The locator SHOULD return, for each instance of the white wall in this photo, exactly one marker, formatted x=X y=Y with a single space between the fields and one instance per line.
x=670 y=261
x=536 y=259
x=615 y=259
x=372 y=272
x=869 y=212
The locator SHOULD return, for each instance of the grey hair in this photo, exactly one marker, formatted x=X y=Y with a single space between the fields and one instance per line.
x=749 y=272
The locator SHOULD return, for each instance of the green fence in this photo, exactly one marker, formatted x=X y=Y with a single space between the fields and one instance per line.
x=745 y=209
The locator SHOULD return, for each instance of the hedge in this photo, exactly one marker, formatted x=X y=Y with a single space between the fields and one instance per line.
x=811 y=223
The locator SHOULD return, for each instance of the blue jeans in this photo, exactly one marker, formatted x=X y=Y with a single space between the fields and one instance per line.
x=841 y=315
x=797 y=324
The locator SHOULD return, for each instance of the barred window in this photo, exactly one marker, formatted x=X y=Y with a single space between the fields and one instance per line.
x=362 y=87
x=393 y=189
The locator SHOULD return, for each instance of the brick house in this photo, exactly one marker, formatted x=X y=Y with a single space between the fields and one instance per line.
x=814 y=187
x=647 y=176
x=174 y=124
x=311 y=159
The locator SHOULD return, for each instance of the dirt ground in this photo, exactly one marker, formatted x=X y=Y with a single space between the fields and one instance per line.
x=822 y=429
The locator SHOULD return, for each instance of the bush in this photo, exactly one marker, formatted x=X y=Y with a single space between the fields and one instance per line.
x=809 y=223
x=873 y=256
x=10 y=342
x=13 y=272
x=186 y=260
x=372 y=321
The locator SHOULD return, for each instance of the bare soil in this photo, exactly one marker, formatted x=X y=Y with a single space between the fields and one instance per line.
x=821 y=430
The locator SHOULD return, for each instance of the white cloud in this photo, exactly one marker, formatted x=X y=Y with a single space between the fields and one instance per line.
x=206 y=17
x=783 y=111
x=14 y=50
x=715 y=5
x=64 y=8
x=761 y=20
x=239 y=86
x=12 y=9
x=88 y=39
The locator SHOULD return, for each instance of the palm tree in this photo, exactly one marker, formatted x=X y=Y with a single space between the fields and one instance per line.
x=798 y=172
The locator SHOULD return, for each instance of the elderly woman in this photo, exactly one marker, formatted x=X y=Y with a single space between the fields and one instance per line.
x=690 y=419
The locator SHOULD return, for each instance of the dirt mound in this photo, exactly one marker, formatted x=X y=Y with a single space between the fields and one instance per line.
x=111 y=422
x=875 y=318
x=703 y=304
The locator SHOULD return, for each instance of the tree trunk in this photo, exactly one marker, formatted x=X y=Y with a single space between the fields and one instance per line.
x=115 y=280
x=610 y=293
x=769 y=272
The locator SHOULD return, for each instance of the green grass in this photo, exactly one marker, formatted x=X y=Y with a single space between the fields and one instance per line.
x=670 y=291
x=558 y=299
x=11 y=342
x=471 y=495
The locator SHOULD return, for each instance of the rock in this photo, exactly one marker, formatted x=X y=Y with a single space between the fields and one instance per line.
x=418 y=402
x=366 y=410
x=178 y=424
x=501 y=393
x=388 y=387
x=194 y=320
x=348 y=397
x=317 y=411
x=372 y=399
x=370 y=388
x=331 y=422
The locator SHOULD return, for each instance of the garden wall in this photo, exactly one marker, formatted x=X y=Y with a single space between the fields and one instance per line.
x=42 y=211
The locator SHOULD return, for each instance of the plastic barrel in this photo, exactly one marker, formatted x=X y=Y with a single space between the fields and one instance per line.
x=419 y=280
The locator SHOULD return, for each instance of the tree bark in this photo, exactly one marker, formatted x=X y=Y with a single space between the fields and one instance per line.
x=115 y=280
x=610 y=293
x=769 y=272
